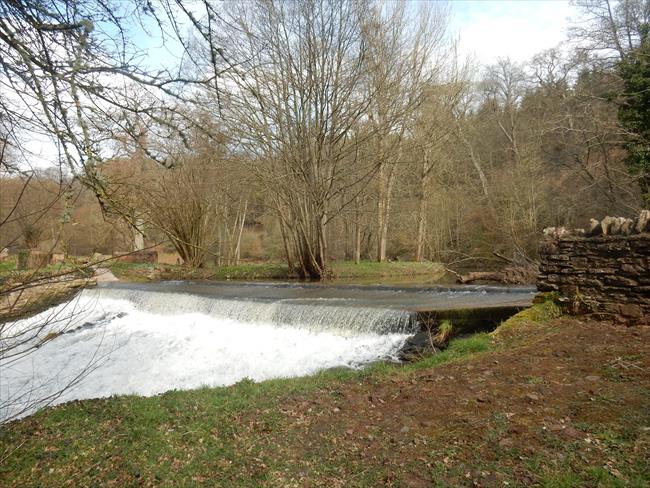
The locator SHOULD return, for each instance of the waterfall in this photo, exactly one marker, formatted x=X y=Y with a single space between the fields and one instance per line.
x=146 y=339
x=335 y=315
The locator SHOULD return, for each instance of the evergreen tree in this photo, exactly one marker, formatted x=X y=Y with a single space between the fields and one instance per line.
x=634 y=112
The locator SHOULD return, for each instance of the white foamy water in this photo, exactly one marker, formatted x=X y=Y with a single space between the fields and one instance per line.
x=134 y=351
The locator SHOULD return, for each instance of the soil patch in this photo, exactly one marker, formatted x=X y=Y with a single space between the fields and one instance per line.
x=570 y=405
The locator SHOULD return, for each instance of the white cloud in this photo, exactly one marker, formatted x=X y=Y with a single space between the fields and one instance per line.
x=516 y=29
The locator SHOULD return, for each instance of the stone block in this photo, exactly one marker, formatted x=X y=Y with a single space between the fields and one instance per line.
x=642 y=223
x=620 y=281
x=602 y=275
x=559 y=257
x=630 y=269
x=631 y=310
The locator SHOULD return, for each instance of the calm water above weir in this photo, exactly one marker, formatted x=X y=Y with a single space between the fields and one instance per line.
x=398 y=297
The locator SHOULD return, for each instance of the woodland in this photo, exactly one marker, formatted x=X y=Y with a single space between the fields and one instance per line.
x=312 y=131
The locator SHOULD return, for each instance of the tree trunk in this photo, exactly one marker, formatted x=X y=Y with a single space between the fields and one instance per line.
x=422 y=217
x=383 y=210
x=357 y=232
x=241 y=231
x=419 y=250
x=138 y=236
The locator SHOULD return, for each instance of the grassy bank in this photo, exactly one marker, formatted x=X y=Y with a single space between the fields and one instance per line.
x=27 y=292
x=549 y=403
x=339 y=270
x=154 y=272
x=186 y=438
x=344 y=270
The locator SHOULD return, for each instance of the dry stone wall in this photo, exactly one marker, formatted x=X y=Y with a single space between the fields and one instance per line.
x=603 y=272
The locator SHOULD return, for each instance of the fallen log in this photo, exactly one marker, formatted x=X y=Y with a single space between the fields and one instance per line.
x=510 y=275
x=481 y=276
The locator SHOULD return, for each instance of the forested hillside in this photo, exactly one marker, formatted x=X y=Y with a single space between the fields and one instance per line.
x=351 y=130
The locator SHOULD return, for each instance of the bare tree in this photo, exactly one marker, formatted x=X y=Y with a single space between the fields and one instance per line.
x=404 y=57
x=608 y=30
x=75 y=74
x=434 y=129
x=293 y=97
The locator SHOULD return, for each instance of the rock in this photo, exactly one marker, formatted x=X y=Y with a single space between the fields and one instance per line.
x=627 y=227
x=619 y=225
x=629 y=269
x=631 y=310
x=556 y=232
x=620 y=281
x=414 y=347
x=595 y=229
x=643 y=222
x=606 y=225
x=532 y=397
x=615 y=227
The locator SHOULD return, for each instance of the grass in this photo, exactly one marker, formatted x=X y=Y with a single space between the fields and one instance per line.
x=178 y=436
x=252 y=271
x=7 y=267
x=250 y=434
x=373 y=269
x=457 y=350
x=444 y=332
x=8 y=271
x=340 y=270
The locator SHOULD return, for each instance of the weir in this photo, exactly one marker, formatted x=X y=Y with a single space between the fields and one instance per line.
x=342 y=309
x=311 y=314
x=145 y=339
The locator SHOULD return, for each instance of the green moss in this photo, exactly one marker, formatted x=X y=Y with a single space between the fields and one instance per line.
x=538 y=313
x=468 y=320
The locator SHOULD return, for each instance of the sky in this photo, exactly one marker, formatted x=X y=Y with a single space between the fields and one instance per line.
x=486 y=29
x=518 y=29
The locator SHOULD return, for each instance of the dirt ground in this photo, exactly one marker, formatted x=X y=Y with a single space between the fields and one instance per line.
x=568 y=406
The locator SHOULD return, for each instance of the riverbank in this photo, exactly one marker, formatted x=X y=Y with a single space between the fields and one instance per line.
x=24 y=293
x=541 y=401
x=340 y=270
x=27 y=295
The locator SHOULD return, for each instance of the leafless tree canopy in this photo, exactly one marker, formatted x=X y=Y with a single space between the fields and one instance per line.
x=346 y=128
